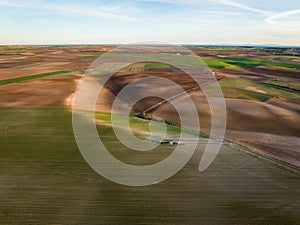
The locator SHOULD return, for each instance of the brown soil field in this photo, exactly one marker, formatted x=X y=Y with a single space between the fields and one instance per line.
x=48 y=91
x=117 y=82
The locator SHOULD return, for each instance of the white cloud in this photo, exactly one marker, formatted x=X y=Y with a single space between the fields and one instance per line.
x=241 y=6
x=282 y=15
x=100 y=11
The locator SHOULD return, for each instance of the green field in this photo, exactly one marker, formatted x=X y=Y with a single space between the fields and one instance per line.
x=249 y=90
x=247 y=62
x=156 y=65
x=44 y=179
x=19 y=79
x=219 y=63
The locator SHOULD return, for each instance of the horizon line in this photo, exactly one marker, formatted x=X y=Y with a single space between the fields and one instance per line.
x=180 y=44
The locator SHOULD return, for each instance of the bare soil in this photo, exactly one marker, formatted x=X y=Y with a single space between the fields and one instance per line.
x=48 y=91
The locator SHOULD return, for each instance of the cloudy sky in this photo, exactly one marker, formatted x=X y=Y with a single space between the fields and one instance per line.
x=172 y=21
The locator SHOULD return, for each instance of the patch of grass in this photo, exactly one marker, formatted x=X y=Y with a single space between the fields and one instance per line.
x=19 y=79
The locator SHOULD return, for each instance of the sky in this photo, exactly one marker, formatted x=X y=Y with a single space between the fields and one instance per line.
x=169 y=21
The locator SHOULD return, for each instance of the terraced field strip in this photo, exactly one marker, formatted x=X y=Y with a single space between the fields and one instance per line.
x=19 y=79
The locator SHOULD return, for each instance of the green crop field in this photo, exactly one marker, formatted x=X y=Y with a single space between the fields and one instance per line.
x=216 y=62
x=156 y=65
x=245 y=89
x=247 y=62
x=44 y=179
x=19 y=79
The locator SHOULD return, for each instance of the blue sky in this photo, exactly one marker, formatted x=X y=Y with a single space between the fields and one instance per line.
x=172 y=21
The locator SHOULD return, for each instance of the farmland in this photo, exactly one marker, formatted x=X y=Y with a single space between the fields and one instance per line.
x=39 y=158
x=45 y=179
